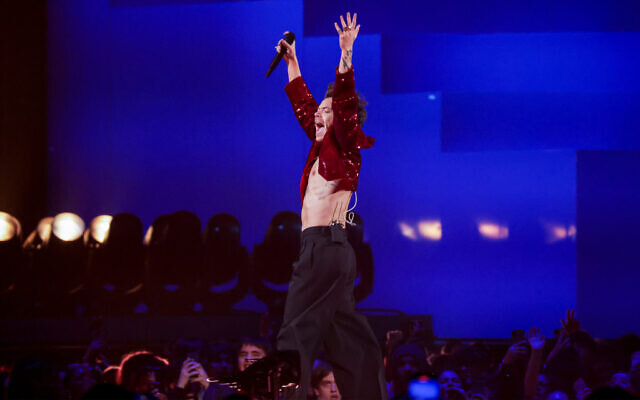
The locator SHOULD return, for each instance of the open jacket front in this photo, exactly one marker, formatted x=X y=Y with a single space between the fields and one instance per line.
x=339 y=151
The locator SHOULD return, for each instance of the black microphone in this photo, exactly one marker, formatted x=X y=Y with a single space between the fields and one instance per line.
x=289 y=37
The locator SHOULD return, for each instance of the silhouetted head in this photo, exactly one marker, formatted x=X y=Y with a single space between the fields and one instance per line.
x=140 y=372
x=621 y=380
x=449 y=379
x=406 y=361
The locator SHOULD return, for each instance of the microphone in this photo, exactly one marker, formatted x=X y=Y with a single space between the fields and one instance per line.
x=289 y=38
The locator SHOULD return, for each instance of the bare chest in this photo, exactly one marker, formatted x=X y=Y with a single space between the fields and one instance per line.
x=318 y=186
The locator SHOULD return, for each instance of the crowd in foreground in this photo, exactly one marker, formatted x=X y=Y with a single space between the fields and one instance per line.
x=571 y=365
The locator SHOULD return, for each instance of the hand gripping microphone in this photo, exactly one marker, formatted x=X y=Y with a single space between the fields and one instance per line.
x=289 y=38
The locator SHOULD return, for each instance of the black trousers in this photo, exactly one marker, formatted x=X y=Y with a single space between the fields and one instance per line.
x=320 y=311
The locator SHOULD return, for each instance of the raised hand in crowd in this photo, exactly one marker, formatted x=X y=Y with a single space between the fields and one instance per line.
x=570 y=324
x=536 y=339
x=536 y=342
x=515 y=352
x=562 y=342
x=192 y=372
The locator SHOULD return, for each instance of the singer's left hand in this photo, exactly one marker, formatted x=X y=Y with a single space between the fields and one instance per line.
x=349 y=31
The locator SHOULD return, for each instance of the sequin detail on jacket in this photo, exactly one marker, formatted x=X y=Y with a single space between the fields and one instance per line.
x=339 y=151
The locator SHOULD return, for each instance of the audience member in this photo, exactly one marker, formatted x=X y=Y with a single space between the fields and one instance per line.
x=141 y=373
x=323 y=383
x=251 y=350
x=406 y=361
x=78 y=379
x=573 y=366
x=110 y=375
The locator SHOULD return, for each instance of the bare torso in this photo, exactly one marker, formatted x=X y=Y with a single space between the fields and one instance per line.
x=322 y=204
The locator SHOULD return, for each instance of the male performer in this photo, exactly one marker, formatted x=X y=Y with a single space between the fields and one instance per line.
x=320 y=308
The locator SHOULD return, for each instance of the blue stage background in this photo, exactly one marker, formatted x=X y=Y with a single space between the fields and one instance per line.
x=156 y=106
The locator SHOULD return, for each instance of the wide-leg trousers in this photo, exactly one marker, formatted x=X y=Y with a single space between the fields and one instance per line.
x=320 y=312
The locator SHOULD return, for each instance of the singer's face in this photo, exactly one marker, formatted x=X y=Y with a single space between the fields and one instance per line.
x=323 y=119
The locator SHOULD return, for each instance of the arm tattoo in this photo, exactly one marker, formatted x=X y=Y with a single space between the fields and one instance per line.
x=346 y=59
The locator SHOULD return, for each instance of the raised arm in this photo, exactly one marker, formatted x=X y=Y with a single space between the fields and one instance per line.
x=302 y=102
x=293 y=67
x=536 y=341
x=345 y=100
x=347 y=35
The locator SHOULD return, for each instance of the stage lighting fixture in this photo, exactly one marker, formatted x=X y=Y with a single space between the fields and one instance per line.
x=430 y=229
x=60 y=268
x=44 y=228
x=556 y=232
x=9 y=227
x=273 y=259
x=11 y=258
x=175 y=254
x=116 y=267
x=98 y=230
x=67 y=226
x=148 y=235
x=364 y=259
x=226 y=264
x=407 y=231
x=223 y=249
x=157 y=232
x=493 y=231
x=40 y=236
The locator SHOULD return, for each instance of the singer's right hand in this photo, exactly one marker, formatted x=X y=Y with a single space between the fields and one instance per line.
x=290 y=55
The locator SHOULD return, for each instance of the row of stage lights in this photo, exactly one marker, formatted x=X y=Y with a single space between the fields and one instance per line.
x=431 y=230
x=66 y=226
x=112 y=266
x=64 y=264
x=69 y=227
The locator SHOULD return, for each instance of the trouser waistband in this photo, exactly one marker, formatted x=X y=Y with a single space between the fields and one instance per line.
x=335 y=232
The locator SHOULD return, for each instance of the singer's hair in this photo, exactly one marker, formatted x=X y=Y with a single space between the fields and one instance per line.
x=362 y=111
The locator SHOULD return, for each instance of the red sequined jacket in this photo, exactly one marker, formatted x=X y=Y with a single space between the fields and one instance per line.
x=339 y=151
